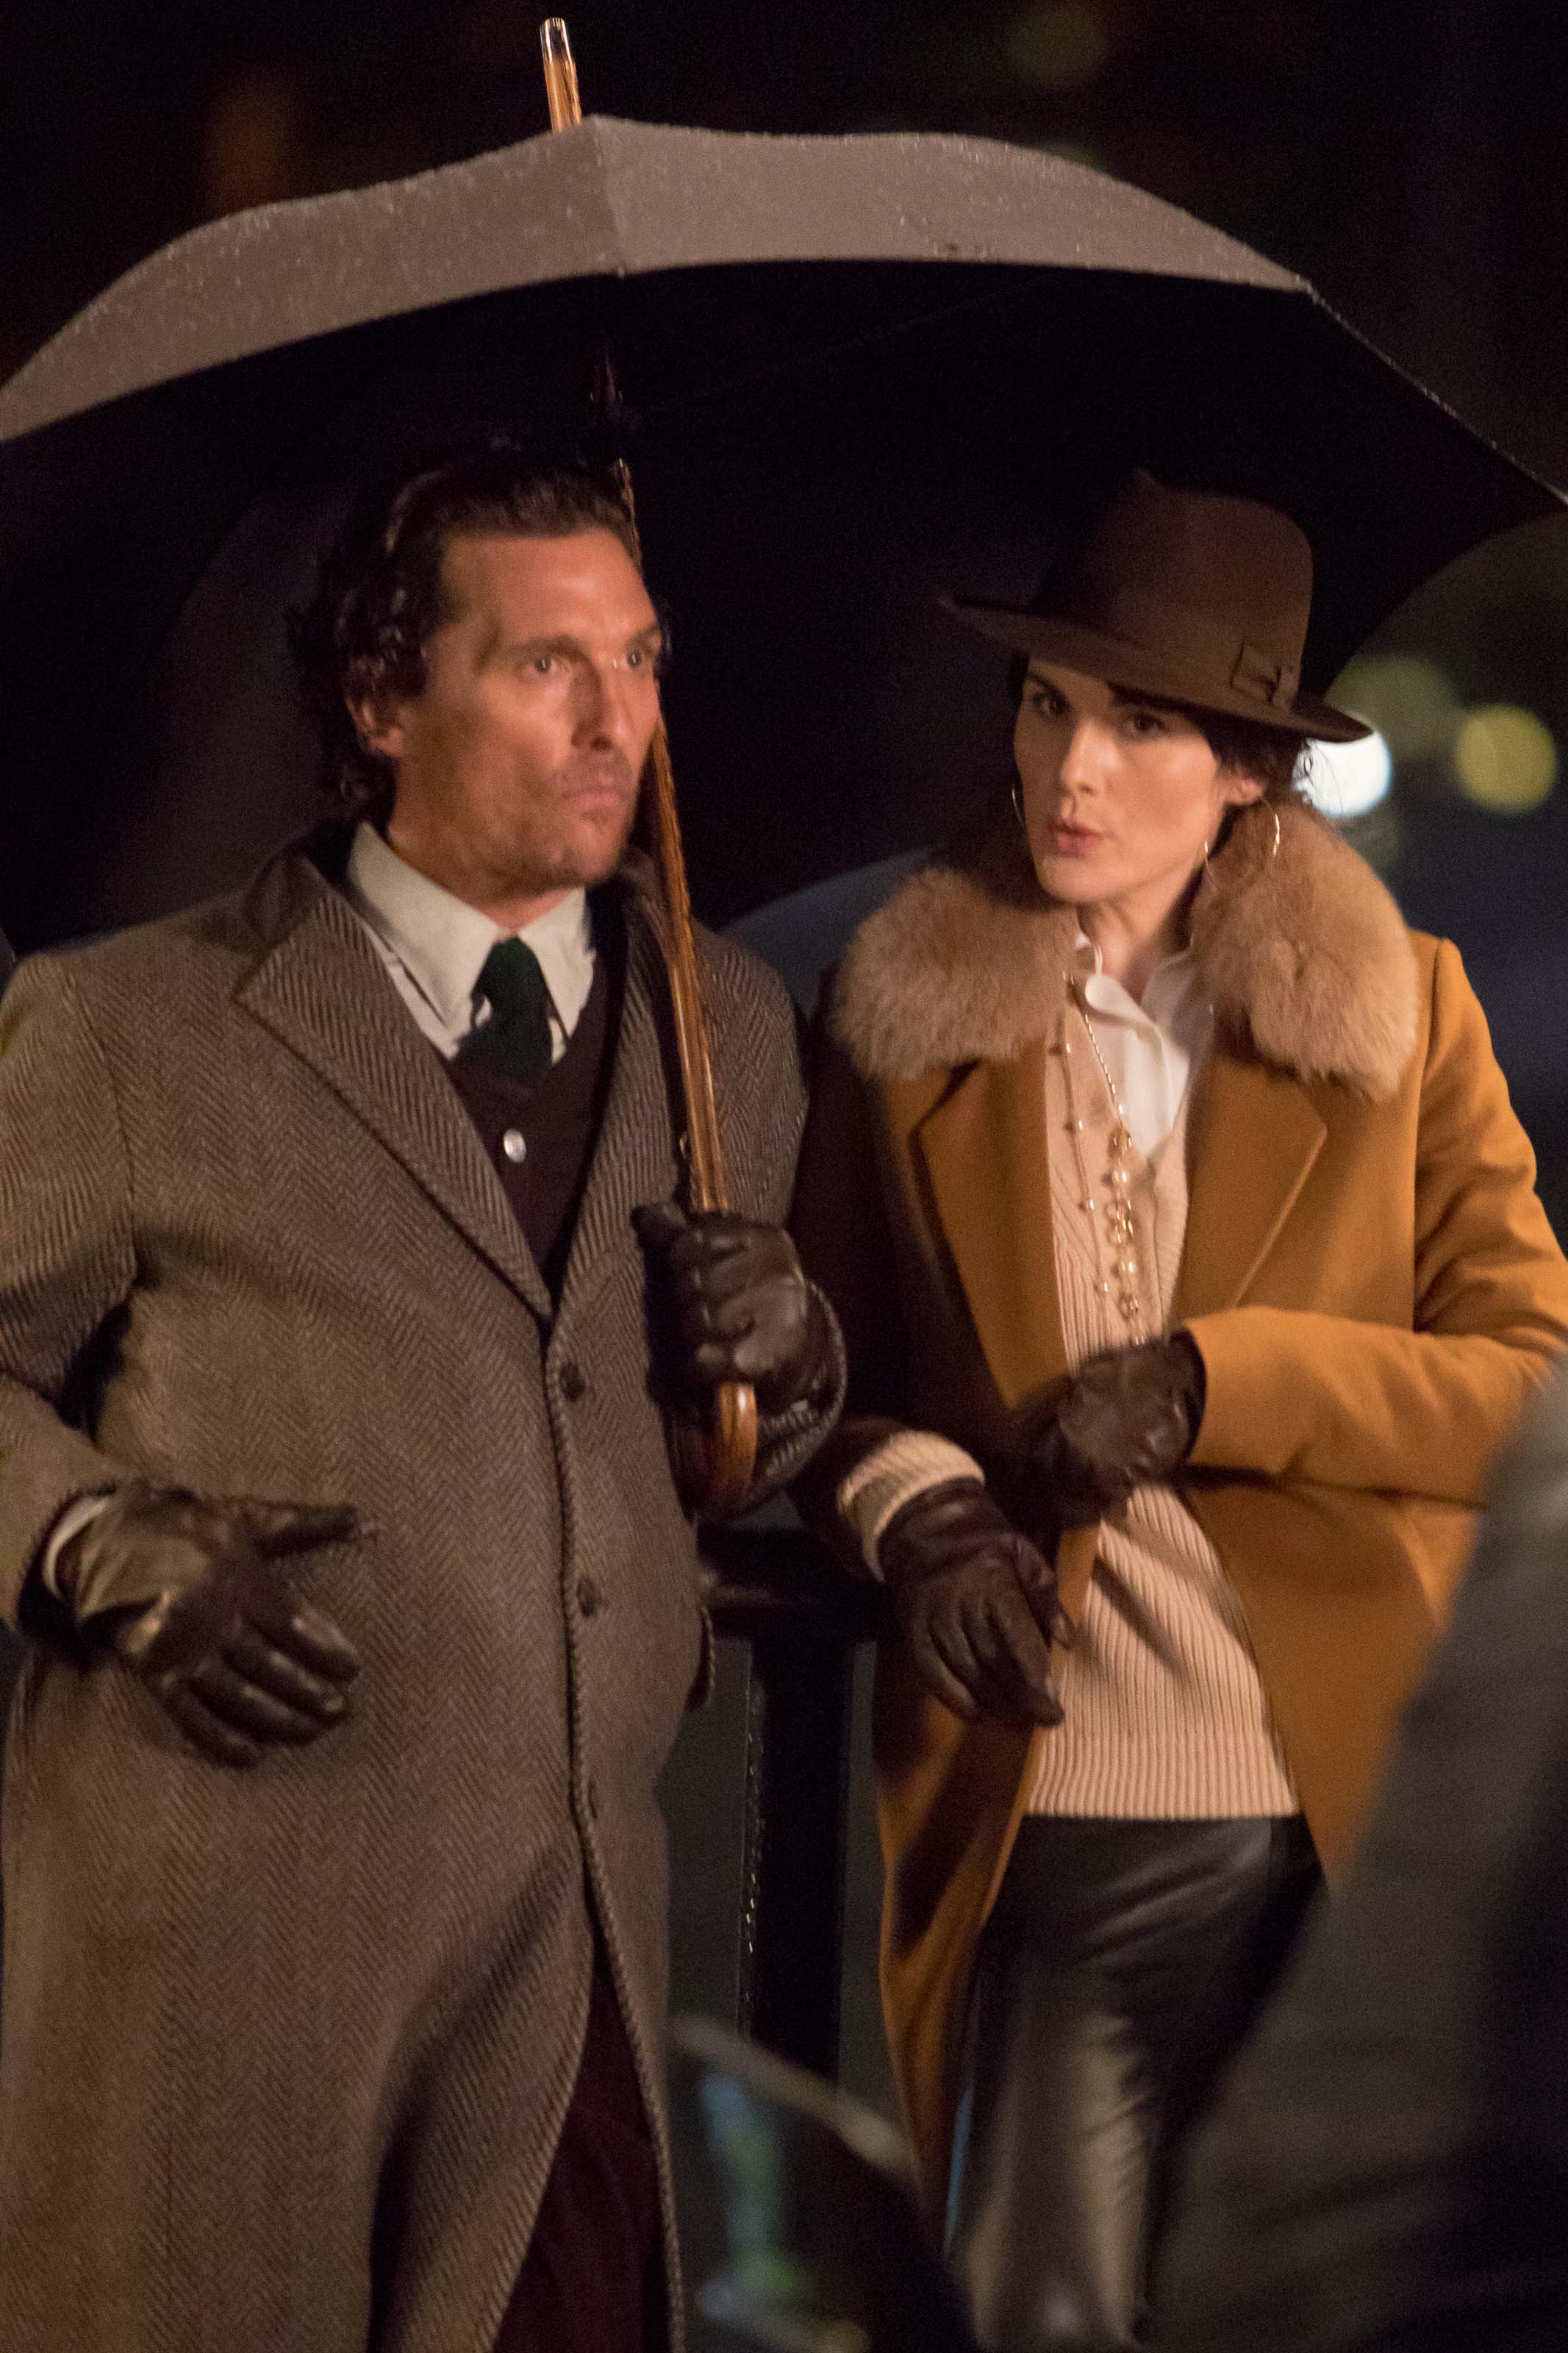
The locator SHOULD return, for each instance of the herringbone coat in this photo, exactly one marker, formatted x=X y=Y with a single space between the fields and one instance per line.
x=285 y=2054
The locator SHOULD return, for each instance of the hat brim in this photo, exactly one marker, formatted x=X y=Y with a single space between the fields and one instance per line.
x=1135 y=668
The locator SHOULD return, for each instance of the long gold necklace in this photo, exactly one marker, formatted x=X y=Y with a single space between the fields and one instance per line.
x=1124 y=1285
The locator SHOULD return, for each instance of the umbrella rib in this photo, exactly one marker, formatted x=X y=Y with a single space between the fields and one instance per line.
x=865 y=340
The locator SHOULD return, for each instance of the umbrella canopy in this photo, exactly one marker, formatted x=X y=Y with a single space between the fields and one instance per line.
x=866 y=369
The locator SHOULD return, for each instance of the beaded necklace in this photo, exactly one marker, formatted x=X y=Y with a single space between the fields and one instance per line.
x=1119 y=1229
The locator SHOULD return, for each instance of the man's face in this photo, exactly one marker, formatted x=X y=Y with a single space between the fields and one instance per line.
x=518 y=762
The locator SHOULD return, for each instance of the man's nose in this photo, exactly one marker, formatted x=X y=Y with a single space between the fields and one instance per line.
x=604 y=713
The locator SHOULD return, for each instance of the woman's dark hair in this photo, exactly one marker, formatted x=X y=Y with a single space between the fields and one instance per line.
x=379 y=592
x=1243 y=747
x=1246 y=747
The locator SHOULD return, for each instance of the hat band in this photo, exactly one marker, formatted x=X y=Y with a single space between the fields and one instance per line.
x=1176 y=636
x=1258 y=673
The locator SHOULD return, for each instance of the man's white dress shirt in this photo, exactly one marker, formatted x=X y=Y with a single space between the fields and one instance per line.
x=433 y=945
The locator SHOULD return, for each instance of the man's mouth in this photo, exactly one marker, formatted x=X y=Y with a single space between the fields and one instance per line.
x=607 y=786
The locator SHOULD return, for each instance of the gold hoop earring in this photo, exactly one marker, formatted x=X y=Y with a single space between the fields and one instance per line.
x=1018 y=806
x=1274 y=813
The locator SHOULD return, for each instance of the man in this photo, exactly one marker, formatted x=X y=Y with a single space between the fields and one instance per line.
x=333 y=1448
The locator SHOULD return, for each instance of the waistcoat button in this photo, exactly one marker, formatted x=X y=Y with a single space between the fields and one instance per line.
x=590 y=1597
x=574 y=1383
x=514 y=1143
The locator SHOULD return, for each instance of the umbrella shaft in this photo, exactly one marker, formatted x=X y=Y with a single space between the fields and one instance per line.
x=560 y=75
x=707 y=1156
x=713 y=1465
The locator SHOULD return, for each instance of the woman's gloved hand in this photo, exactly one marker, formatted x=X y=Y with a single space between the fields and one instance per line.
x=1127 y=1419
x=978 y=1601
x=738 y=1306
x=193 y=1597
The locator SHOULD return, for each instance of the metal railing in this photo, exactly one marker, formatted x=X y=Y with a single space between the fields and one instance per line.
x=779 y=1590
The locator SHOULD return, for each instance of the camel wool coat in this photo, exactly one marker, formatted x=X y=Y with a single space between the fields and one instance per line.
x=285 y=2054
x=1367 y=1273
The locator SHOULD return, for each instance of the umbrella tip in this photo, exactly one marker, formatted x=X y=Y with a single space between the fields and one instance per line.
x=560 y=74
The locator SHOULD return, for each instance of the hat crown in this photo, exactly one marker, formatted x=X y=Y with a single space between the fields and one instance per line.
x=1196 y=577
x=1190 y=596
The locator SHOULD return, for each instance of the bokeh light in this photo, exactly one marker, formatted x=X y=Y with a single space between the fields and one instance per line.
x=1408 y=699
x=1347 y=779
x=1063 y=46
x=1505 y=758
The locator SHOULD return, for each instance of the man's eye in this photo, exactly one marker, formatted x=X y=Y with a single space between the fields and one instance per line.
x=541 y=665
x=1144 y=723
x=1048 y=702
x=637 y=659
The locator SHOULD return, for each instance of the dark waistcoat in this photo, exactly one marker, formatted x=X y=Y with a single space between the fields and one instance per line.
x=539 y=1134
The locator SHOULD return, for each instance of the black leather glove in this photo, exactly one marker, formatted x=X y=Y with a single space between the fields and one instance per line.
x=978 y=1604
x=739 y=1308
x=1127 y=1419
x=191 y=1595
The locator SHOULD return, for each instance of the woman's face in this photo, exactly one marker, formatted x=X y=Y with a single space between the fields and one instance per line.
x=1119 y=800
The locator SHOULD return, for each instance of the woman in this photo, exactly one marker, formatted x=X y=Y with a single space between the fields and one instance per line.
x=1191 y=1272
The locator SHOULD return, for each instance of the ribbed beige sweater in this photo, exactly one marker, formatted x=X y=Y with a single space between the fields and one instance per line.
x=1165 y=1715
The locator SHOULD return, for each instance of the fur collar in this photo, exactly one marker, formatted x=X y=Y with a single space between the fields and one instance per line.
x=1304 y=956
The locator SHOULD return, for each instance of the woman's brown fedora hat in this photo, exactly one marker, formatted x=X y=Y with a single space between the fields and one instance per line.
x=1184 y=593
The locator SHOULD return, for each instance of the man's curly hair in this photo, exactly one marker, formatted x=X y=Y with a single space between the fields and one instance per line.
x=380 y=591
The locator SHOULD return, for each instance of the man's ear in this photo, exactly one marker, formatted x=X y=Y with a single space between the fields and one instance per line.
x=378 y=722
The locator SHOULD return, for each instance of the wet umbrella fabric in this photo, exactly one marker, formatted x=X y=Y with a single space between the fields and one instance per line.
x=866 y=369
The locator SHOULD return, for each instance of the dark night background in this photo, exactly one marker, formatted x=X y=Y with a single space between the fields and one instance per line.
x=1406 y=156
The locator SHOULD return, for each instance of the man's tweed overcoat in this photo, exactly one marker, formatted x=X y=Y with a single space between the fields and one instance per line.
x=285 y=2054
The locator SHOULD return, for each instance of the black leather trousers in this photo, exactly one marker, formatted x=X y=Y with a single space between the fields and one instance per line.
x=1121 y=1967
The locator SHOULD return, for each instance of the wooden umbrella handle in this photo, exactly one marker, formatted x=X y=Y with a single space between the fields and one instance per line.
x=713 y=1465
x=713 y=1462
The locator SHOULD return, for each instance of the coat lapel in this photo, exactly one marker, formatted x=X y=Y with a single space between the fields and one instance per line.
x=984 y=1148
x=1253 y=1135
x=321 y=990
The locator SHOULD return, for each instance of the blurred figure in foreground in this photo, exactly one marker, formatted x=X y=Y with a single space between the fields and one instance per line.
x=1389 y=2170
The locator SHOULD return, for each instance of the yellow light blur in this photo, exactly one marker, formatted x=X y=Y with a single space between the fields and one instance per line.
x=1063 y=46
x=1505 y=758
x=1406 y=697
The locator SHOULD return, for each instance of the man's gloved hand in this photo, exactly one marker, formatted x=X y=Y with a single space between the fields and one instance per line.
x=739 y=1308
x=191 y=1595
x=978 y=1601
x=1127 y=1419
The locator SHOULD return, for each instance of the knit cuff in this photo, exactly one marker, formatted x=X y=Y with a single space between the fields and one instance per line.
x=892 y=1475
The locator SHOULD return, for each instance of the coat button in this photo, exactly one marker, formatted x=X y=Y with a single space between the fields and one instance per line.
x=574 y=1383
x=590 y=1597
x=514 y=1143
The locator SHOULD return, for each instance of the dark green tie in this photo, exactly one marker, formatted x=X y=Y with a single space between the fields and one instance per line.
x=516 y=1037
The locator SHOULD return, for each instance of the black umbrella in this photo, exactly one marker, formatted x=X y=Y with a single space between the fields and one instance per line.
x=864 y=368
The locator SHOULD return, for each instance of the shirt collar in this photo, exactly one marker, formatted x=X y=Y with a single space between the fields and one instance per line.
x=442 y=942
x=563 y=940
x=1171 y=985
